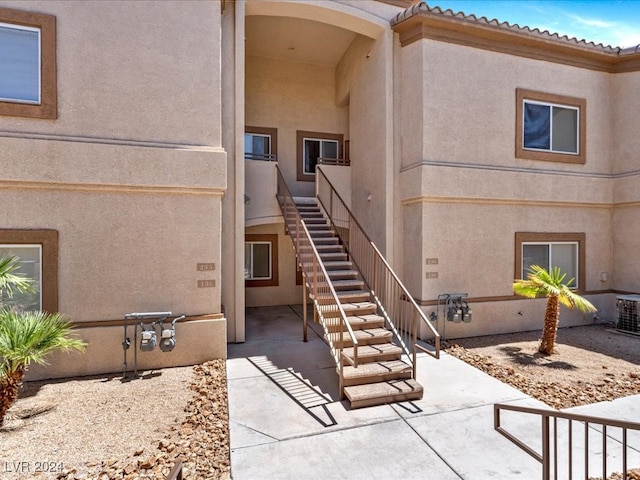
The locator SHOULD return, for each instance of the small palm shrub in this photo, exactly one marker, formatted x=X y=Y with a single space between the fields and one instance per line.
x=25 y=337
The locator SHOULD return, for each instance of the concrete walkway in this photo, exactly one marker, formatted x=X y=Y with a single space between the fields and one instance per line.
x=287 y=422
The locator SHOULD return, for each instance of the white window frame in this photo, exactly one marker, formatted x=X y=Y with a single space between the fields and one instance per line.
x=38 y=246
x=551 y=106
x=250 y=276
x=576 y=275
x=39 y=59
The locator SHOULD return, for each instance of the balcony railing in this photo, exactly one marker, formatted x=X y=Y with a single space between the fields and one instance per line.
x=327 y=307
x=402 y=314
x=341 y=162
x=564 y=450
x=265 y=157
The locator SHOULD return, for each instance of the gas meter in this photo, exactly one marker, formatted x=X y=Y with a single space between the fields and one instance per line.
x=148 y=340
x=168 y=336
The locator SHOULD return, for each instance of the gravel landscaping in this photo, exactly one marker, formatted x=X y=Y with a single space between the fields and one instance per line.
x=591 y=364
x=103 y=428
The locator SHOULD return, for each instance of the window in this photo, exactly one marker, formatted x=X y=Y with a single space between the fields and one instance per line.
x=28 y=64
x=260 y=143
x=261 y=260
x=563 y=250
x=30 y=257
x=550 y=127
x=38 y=253
x=312 y=146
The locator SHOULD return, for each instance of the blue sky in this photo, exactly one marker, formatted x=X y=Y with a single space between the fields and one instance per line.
x=610 y=22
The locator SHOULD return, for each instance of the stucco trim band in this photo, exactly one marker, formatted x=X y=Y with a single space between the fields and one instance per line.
x=111 y=188
x=501 y=168
x=501 y=201
x=120 y=322
x=126 y=142
x=508 y=298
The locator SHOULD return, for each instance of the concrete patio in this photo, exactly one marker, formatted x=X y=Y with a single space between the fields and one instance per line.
x=286 y=419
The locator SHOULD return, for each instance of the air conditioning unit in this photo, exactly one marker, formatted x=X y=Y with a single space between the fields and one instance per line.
x=628 y=309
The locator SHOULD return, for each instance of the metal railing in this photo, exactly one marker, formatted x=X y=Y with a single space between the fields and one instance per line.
x=401 y=312
x=341 y=162
x=176 y=471
x=552 y=456
x=265 y=157
x=327 y=307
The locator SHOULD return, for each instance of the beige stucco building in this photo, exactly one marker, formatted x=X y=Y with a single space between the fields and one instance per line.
x=137 y=173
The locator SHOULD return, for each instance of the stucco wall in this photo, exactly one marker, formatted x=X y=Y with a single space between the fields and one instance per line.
x=465 y=194
x=470 y=105
x=371 y=127
x=340 y=178
x=122 y=68
x=626 y=217
x=196 y=342
x=132 y=172
x=292 y=96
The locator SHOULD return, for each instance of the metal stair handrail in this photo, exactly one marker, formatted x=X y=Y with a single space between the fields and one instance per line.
x=548 y=456
x=327 y=305
x=176 y=471
x=393 y=299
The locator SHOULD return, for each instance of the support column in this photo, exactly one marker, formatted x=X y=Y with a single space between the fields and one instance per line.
x=233 y=54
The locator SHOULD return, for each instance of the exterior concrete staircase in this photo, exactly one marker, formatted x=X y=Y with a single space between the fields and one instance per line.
x=381 y=375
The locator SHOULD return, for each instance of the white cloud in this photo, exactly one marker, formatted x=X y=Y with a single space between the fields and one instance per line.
x=597 y=30
x=592 y=22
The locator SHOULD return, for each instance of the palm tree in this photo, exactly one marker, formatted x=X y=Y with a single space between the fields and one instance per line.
x=10 y=281
x=540 y=282
x=25 y=337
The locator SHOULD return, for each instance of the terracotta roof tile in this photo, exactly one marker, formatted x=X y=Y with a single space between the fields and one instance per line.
x=425 y=9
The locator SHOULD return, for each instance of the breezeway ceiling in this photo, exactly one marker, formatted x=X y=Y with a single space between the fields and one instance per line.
x=296 y=39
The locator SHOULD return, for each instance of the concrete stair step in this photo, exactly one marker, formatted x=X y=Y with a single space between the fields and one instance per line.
x=353 y=296
x=373 y=353
x=305 y=200
x=344 y=296
x=332 y=257
x=376 y=372
x=337 y=265
x=321 y=233
x=356 y=312
x=364 y=310
x=342 y=274
x=348 y=286
x=315 y=221
x=319 y=227
x=383 y=392
x=369 y=336
x=327 y=241
x=357 y=322
x=330 y=248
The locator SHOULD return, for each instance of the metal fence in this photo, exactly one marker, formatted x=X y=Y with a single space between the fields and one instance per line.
x=572 y=443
